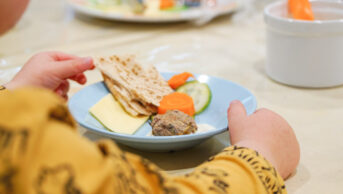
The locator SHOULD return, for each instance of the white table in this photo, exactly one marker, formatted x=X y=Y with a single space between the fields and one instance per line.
x=230 y=47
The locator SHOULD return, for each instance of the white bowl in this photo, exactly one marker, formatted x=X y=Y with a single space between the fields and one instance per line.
x=305 y=53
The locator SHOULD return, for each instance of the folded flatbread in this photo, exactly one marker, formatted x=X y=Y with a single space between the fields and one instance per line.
x=138 y=89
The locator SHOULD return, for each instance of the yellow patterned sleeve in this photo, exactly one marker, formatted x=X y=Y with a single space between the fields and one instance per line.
x=41 y=152
x=2 y=89
x=235 y=170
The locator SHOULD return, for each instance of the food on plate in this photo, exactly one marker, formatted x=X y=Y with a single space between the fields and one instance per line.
x=202 y=128
x=200 y=93
x=144 y=7
x=173 y=122
x=138 y=92
x=196 y=3
x=179 y=79
x=177 y=101
x=166 y=4
x=136 y=6
x=137 y=88
x=112 y=116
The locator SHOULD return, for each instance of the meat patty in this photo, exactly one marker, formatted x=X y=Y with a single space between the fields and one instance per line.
x=173 y=122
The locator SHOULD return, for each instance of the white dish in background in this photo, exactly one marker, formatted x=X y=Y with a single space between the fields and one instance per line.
x=305 y=53
x=225 y=7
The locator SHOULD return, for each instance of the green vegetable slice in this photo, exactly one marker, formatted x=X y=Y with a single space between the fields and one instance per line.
x=200 y=93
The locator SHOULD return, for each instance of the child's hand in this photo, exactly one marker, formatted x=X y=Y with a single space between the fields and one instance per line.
x=267 y=133
x=52 y=70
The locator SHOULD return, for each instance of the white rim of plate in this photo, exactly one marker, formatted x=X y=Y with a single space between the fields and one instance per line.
x=181 y=16
x=166 y=139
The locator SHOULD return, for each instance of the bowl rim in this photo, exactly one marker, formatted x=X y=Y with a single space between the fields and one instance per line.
x=164 y=139
x=147 y=139
x=268 y=14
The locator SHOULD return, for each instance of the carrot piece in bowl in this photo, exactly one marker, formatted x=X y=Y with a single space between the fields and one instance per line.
x=300 y=9
x=179 y=79
x=177 y=101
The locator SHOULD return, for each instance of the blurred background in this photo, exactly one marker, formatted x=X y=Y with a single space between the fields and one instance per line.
x=231 y=46
x=55 y=25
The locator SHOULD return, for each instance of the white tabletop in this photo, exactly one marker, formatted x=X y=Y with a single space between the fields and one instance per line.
x=230 y=47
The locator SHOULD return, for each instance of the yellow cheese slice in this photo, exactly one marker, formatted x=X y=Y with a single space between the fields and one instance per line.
x=110 y=114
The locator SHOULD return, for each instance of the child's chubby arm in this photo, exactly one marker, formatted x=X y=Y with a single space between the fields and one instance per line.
x=41 y=152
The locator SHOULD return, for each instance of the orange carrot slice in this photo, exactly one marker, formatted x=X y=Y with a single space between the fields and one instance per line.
x=177 y=101
x=179 y=79
x=300 y=9
x=166 y=4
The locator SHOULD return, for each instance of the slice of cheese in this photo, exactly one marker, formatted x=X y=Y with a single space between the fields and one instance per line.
x=110 y=114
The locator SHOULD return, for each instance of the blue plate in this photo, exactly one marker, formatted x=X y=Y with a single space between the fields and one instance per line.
x=223 y=92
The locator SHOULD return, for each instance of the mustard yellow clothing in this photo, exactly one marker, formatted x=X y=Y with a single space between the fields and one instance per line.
x=42 y=153
x=2 y=88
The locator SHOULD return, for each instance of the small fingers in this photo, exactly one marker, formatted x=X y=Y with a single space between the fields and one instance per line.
x=70 y=68
x=65 y=97
x=261 y=110
x=236 y=114
x=63 y=88
x=264 y=112
x=79 y=78
x=60 y=56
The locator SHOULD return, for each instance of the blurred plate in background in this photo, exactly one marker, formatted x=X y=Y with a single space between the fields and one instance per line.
x=124 y=13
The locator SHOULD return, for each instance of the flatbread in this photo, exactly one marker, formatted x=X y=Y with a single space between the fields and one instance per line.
x=138 y=89
x=134 y=108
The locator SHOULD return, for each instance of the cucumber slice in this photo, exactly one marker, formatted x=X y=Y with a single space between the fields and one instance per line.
x=200 y=93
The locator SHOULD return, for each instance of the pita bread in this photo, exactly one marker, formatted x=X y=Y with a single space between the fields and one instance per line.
x=138 y=89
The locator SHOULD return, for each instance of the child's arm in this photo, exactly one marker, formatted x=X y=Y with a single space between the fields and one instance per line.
x=41 y=152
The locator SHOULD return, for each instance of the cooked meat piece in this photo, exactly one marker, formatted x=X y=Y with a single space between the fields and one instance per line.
x=173 y=122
